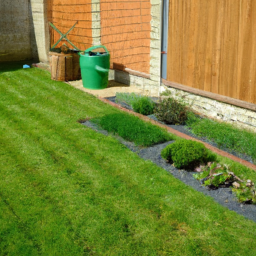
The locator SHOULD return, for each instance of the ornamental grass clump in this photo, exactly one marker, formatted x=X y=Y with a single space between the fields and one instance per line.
x=186 y=154
x=128 y=98
x=171 y=111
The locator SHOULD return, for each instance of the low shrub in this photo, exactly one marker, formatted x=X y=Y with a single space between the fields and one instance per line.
x=186 y=154
x=134 y=129
x=140 y=104
x=143 y=105
x=171 y=111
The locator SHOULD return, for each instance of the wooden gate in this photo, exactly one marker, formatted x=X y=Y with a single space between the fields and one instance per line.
x=212 y=46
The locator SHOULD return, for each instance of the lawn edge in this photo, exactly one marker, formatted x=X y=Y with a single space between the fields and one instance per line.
x=182 y=135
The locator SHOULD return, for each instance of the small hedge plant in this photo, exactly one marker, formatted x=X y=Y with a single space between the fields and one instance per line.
x=140 y=104
x=171 y=111
x=143 y=105
x=186 y=154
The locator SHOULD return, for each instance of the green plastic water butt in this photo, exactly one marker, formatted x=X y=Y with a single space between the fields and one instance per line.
x=94 y=68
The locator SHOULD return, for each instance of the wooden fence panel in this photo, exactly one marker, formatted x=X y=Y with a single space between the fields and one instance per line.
x=212 y=46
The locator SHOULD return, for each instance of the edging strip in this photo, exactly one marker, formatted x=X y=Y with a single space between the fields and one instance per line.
x=182 y=135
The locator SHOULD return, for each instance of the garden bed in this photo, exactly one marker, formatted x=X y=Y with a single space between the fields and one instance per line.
x=222 y=195
x=186 y=130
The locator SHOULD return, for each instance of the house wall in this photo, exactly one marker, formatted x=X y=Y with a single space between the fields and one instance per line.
x=16 y=31
x=125 y=31
x=63 y=14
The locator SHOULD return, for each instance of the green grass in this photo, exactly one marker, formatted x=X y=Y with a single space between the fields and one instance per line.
x=225 y=135
x=68 y=190
x=134 y=129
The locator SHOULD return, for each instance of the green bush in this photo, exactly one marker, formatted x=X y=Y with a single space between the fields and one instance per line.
x=171 y=111
x=140 y=104
x=143 y=105
x=186 y=154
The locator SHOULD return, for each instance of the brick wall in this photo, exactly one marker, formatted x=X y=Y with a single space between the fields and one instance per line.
x=125 y=31
x=64 y=13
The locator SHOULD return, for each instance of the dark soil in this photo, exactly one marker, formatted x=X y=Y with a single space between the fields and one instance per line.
x=223 y=196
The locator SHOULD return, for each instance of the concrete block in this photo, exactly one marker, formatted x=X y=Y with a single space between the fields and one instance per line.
x=155 y=44
x=156 y=11
x=155 y=53
x=95 y=7
x=154 y=35
x=155 y=2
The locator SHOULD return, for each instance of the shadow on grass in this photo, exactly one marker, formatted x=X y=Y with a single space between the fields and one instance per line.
x=13 y=66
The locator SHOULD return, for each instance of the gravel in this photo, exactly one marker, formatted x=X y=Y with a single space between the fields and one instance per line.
x=223 y=196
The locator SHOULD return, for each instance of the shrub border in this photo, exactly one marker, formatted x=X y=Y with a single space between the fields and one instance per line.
x=182 y=135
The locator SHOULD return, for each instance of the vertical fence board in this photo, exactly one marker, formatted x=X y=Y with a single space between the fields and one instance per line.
x=212 y=46
x=211 y=30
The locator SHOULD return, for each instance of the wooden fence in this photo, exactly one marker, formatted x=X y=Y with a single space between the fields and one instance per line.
x=212 y=46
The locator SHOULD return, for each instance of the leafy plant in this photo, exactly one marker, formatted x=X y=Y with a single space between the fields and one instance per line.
x=133 y=129
x=214 y=175
x=171 y=111
x=143 y=105
x=186 y=154
x=245 y=193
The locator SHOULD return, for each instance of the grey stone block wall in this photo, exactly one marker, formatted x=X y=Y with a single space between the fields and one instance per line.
x=23 y=30
x=15 y=30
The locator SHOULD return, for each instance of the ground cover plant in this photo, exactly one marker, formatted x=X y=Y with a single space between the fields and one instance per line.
x=225 y=135
x=67 y=190
x=133 y=129
x=215 y=175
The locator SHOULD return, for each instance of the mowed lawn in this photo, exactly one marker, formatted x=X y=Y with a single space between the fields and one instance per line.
x=68 y=190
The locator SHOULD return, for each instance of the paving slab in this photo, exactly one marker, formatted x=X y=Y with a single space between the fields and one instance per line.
x=111 y=90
